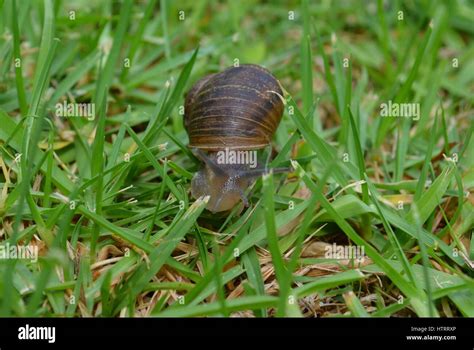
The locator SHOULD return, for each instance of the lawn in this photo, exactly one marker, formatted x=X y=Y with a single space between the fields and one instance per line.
x=374 y=217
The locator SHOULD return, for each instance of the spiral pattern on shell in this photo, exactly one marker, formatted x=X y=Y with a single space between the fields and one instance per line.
x=239 y=108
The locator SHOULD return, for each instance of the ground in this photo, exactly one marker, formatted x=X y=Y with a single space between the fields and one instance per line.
x=375 y=217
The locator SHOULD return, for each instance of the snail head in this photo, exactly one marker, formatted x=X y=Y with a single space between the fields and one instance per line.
x=224 y=183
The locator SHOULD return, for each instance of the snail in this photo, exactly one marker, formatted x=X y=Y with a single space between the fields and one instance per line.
x=235 y=112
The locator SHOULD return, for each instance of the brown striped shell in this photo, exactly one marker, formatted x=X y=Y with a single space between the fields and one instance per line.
x=239 y=108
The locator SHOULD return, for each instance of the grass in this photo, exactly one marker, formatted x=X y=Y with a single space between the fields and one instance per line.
x=107 y=203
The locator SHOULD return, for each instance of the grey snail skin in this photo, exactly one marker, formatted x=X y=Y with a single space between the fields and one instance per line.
x=233 y=112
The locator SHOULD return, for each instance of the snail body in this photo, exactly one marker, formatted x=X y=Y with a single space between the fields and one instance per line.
x=236 y=111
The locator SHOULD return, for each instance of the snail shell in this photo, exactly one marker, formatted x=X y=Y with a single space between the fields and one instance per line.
x=239 y=108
